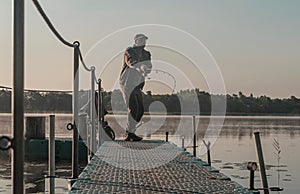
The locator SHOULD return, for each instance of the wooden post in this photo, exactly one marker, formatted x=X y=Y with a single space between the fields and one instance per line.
x=261 y=163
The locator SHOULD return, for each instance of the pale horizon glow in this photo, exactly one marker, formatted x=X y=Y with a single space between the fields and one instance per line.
x=255 y=43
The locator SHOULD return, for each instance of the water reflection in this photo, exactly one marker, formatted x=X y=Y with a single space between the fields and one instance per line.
x=240 y=127
x=34 y=175
x=231 y=152
x=235 y=126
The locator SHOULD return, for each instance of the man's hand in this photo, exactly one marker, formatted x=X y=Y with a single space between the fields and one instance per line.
x=143 y=70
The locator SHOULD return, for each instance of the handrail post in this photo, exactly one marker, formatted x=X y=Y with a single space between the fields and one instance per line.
x=102 y=116
x=195 y=140
x=167 y=136
x=52 y=154
x=99 y=113
x=251 y=184
x=252 y=167
x=261 y=163
x=93 y=111
x=18 y=98
x=75 y=112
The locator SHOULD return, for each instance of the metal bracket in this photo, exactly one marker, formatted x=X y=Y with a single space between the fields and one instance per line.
x=70 y=126
x=6 y=143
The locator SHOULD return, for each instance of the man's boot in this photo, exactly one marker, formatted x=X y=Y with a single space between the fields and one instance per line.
x=132 y=137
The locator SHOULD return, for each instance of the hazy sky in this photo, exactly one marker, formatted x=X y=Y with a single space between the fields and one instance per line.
x=256 y=43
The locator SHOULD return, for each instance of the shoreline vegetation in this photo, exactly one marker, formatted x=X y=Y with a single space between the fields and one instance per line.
x=185 y=102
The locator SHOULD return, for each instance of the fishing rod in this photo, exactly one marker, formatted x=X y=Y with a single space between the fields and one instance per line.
x=166 y=73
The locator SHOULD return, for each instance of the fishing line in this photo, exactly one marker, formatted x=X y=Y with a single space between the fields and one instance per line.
x=165 y=73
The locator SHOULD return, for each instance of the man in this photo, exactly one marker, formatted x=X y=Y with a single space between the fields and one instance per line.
x=137 y=64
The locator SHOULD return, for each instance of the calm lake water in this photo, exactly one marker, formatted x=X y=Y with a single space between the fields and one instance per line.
x=231 y=151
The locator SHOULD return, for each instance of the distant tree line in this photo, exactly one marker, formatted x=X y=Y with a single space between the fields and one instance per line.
x=38 y=102
x=183 y=102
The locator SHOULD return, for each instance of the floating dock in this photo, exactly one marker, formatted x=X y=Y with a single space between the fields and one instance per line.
x=150 y=166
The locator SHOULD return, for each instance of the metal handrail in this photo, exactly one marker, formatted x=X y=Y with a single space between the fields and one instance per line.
x=50 y=25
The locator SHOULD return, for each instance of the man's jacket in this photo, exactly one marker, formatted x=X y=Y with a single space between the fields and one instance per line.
x=131 y=75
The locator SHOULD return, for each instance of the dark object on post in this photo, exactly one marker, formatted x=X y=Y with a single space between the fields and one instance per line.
x=70 y=126
x=252 y=166
x=35 y=128
x=5 y=143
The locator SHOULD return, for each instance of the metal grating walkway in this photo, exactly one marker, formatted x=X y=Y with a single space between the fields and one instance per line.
x=150 y=167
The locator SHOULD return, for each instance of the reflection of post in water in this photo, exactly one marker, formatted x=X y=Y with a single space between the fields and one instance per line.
x=35 y=130
x=34 y=180
x=277 y=154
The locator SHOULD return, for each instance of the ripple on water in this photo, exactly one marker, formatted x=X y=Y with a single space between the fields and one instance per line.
x=282 y=170
x=239 y=177
x=286 y=180
x=62 y=171
x=4 y=176
x=216 y=161
x=226 y=167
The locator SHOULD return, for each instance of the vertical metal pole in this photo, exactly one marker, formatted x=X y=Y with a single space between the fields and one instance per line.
x=251 y=186
x=99 y=112
x=103 y=135
x=102 y=109
x=167 y=136
x=18 y=98
x=52 y=154
x=208 y=154
x=75 y=113
x=261 y=163
x=88 y=137
x=195 y=143
x=182 y=141
x=93 y=111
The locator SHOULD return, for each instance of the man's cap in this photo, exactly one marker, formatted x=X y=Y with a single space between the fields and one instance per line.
x=139 y=36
